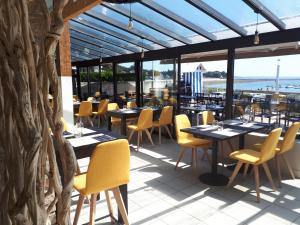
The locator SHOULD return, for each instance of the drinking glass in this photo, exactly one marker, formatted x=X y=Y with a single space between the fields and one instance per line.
x=220 y=125
x=215 y=123
x=78 y=129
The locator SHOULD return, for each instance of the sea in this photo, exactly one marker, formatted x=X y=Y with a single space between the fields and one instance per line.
x=285 y=85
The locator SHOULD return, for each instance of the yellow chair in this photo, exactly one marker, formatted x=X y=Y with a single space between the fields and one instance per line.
x=108 y=169
x=283 y=147
x=85 y=111
x=111 y=107
x=186 y=140
x=102 y=108
x=145 y=122
x=256 y=158
x=131 y=105
x=165 y=119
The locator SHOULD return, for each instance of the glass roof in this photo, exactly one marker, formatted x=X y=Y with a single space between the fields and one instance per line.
x=159 y=24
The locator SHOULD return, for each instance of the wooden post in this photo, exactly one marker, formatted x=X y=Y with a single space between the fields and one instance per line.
x=115 y=81
x=178 y=83
x=138 y=81
x=229 y=83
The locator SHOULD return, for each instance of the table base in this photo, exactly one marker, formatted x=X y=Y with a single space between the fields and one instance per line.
x=213 y=179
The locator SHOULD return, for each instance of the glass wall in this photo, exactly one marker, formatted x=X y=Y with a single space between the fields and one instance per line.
x=126 y=82
x=159 y=82
x=94 y=77
x=83 y=71
x=107 y=80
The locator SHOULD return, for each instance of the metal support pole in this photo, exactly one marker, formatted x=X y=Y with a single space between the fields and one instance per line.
x=100 y=79
x=137 y=66
x=178 y=83
x=88 y=81
x=78 y=84
x=229 y=83
x=115 y=81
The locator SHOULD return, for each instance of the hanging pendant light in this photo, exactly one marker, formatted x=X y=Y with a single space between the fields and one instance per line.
x=130 y=23
x=256 y=34
x=142 y=52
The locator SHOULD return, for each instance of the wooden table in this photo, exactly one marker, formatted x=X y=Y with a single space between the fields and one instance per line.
x=125 y=114
x=232 y=128
x=85 y=145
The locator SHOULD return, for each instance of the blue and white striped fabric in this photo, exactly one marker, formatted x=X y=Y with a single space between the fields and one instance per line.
x=194 y=80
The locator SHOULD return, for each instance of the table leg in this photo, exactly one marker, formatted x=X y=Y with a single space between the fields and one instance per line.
x=213 y=178
x=124 y=194
x=123 y=126
x=109 y=123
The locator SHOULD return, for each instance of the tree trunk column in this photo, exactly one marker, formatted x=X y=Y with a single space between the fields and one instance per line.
x=65 y=73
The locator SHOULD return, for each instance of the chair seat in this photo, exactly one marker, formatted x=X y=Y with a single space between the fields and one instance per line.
x=97 y=113
x=246 y=156
x=132 y=127
x=78 y=115
x=194 y=142
x=80 y=183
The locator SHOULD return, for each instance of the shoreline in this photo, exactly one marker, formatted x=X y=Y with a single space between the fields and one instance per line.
x=238 y=80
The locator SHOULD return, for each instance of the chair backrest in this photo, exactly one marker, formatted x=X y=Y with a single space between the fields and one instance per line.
x=255 y=108
x=102 y=108
x=207 y=117
x=289 y=137
x=269 y=145
x=112 y=106
x=181 y=122
x=109 y=166
x=85 y=108
x=145 y=119
x=166 y=115
x=131 y=105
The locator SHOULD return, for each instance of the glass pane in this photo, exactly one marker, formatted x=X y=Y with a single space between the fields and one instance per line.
x=91 y=40
x=107 y=80
x=103 y=36
x=151 y=16
x=126 y=84
x=192 y=14
x=230 y=8
x=159 y=82
x=92 y=47
x=106 y=26
x=138 y=26
x=88 y=51
x=287 y=10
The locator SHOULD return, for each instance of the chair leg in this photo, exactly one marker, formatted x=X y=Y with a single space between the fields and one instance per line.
x=110 y=211
x=92 y=209
x=78 y=209
x=277 y=158
x=257 y=184
x=159 y=135
x=120 y=203
x=205 y=154
x=169 y=132
x=149 y=136
x=138 y=140
x=90 y=121
x=235 y=172
x=130 y=135
x=230 y=145
x=246 y=169
x=151 y=131
x=181 y=153
x=267 y=171
x=288 y=166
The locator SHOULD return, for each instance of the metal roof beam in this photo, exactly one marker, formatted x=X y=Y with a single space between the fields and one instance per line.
x=93 y=34
x=113 y=33
x=121 y=26
x=178 y=19
x=148 y=23
x=257 y=6
x=115 y=48
x=217 y=16
x=98 y=45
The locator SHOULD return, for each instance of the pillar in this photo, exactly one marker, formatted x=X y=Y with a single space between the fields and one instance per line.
x=65 y=73
x=229 y=83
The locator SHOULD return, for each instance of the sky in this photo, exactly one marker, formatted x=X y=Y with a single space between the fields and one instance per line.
x=264 y=67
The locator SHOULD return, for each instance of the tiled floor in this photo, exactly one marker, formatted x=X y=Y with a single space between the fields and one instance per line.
x=160 y=195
